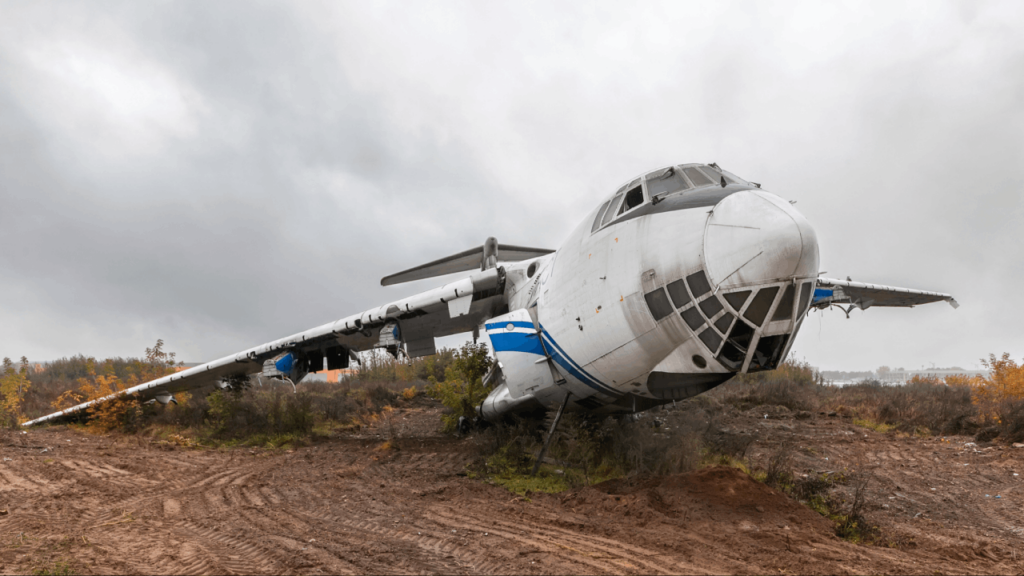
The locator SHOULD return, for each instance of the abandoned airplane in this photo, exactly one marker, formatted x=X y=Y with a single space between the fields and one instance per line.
x=678 y=280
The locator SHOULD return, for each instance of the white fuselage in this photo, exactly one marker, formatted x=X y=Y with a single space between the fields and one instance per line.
x=615 y=338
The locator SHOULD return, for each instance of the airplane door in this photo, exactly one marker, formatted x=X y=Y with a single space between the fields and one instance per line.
x=518 y=348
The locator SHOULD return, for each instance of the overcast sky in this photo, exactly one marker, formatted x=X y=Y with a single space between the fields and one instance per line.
x=220 y=174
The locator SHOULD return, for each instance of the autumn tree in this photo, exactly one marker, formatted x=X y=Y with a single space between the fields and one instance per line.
x=14 y=383
x=1004 y=383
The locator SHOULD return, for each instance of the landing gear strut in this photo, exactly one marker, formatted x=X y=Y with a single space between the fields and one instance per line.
x=551 y=434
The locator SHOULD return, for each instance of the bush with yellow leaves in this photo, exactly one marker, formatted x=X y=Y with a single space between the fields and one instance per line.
x=14 y=383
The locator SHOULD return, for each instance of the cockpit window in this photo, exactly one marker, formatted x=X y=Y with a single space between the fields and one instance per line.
x=716 y=175
x=611 y=209
x=597 y=219
x=665 y=182
x=628 y=186
x=697 y=177
x=634 y=198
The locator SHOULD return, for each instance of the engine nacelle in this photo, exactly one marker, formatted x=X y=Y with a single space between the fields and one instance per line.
x=524 y=367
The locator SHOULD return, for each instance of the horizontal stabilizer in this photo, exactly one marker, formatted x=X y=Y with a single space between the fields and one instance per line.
x=483 y=257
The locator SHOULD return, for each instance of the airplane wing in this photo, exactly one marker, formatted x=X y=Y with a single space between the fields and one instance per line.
x=411 y=323
x=829 y=291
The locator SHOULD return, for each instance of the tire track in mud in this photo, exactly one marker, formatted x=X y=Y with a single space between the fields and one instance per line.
x=429 y=550
x=559 y=541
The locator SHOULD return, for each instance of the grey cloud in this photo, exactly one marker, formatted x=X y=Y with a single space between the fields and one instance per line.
x=316 y=148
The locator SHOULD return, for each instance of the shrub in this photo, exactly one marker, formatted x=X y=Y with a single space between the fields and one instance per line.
x=462 y=389
x=273 y=412
x=643 y=449
x=794 y=385
x=921 y=404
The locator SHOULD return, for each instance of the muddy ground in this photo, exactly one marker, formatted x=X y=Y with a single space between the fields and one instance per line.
x=109 y=504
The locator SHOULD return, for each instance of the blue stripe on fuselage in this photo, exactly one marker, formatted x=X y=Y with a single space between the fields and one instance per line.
x=578 y=370
x=516 y=342
x=529 y=343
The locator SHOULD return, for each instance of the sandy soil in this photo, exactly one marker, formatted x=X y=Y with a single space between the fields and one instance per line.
x=128 y=505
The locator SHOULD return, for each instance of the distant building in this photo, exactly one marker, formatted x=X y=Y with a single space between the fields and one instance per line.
x=903 y=376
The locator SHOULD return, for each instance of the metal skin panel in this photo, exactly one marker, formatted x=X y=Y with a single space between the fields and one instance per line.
x=521 y=355
x=579 y=319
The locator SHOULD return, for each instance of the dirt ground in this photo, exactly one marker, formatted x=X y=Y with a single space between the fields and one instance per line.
x=110 y=504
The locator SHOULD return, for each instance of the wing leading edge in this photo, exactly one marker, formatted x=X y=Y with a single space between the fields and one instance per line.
x=861 y=295
x=412 y=323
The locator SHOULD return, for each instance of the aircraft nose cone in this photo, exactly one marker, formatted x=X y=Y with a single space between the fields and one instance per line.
x=755 y=237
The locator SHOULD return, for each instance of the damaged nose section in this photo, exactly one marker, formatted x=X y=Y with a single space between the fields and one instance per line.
x=755 y=237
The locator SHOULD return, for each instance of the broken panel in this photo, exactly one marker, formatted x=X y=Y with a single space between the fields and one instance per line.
x=711 y=306
x=678 y=293
x=741 y=335
x=732 y=357
x=737 y=299
x=759 y=306
x=692 y=318
x=768 y=353
x=634 y=198
x=699 y=284
x=337 y=358
x=735 y=350
x=710 y=338
x=658 y=302
x=785 y=309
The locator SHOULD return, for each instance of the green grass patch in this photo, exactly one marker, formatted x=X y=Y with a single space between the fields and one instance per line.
x=709 y=459
x=547 y=480
x=872 y=425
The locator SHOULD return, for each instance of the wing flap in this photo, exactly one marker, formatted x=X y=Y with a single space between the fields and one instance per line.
x=863 y=295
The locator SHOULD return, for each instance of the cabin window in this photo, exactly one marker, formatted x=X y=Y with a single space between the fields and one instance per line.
x=737 y=299
x=634 y=198
x=666 y=182
x=600 y=213
x=693 y=318
x=711 y=339
x=658 y=302
x=698 y=282
x=678 y=293
x=611 y=209
x=711 y=306
x=697 y=177
x=758 y=309
x=785 y=309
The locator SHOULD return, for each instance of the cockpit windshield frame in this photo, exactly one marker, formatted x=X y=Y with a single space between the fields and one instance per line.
x=655 y=185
